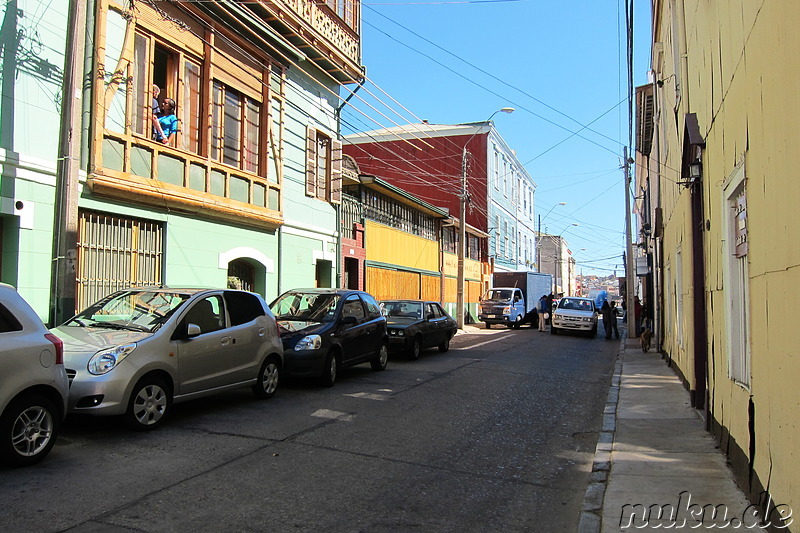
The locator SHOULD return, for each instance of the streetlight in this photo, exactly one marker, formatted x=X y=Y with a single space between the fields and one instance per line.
x=462 y=230
x=560 y=245
x=539 y=237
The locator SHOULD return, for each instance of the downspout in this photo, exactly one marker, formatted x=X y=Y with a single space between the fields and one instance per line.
x=338 y=207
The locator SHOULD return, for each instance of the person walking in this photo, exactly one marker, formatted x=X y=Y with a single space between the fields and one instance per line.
x=544 y=312
x=608 y=316
x=614 y=319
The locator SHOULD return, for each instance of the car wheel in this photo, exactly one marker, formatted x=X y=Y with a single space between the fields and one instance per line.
x=416 y=348
x=330 y=370
x=268 y=378
x=488 y=326
x=29 y=428
x=382 y=359
x=518 y=322
x=446 y=344
x=553 y=330
x=150 y=402
x=593 y=332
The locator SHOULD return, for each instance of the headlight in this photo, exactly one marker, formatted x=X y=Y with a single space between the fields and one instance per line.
x=104 y=361
x=506 y=310
x=588 y=319
x=309 y=342
x=396 y=332
x=558 y=317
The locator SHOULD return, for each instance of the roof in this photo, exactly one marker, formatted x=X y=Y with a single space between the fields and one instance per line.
x=417 y=131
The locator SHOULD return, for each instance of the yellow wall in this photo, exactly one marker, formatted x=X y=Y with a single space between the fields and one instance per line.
x=742 y=83
x=395 y=247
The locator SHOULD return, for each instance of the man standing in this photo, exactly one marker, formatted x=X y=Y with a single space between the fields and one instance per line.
x=543 y=312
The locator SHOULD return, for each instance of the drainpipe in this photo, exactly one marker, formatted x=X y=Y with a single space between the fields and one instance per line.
x=338 y=208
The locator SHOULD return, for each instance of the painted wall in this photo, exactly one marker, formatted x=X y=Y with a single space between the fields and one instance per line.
x=740 y=79
x=32 y=39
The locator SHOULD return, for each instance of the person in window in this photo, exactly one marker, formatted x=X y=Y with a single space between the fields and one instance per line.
x=158 y=133
x=168 y=121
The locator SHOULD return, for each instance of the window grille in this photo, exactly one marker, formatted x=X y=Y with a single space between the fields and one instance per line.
x=115 y=253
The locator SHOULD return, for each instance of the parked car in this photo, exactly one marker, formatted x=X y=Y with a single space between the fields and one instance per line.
x=137 y=351
x=575 y=314
x=33 y=382
x=324 y=330
x=414 y=325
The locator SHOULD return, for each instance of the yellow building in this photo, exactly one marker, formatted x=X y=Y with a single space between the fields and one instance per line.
x=717 y=160
x=409 y=246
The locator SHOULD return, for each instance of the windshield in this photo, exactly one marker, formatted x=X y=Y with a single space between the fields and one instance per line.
x=502 y=295
x=403 y=309
x=576 y=304
x=301 y=306
x=131 y=310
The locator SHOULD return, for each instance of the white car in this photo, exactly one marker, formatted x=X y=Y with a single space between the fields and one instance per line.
x=33 y=382
x=575 y=314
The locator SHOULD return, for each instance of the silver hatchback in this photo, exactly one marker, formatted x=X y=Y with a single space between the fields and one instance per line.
x=137 y=351
x=33 y=383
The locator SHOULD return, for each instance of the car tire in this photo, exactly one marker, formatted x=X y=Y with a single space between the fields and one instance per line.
x=330 y=370
x=518 y=322
x=29 y=428
x=380 y=361
x=488 y=326
x=593 y=332
x=416 y=348
x=149 y=404
x=446 y=344
x=268 y=379
x=553 y=330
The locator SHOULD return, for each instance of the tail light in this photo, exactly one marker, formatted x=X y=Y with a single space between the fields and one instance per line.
x=59 y=344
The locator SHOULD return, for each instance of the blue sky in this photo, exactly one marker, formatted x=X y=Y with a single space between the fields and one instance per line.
x=561 y=65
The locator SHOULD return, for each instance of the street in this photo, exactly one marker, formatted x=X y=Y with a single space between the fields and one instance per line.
x=496 y=434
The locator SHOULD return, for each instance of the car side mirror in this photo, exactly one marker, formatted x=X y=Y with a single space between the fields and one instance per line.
x=349 y=320
x=192 y=330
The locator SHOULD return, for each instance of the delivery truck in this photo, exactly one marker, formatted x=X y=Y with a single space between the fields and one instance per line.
x=513 y=298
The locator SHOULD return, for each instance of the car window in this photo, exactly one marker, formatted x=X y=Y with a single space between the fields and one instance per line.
x=207 y=314
x=436 y=310
x=137 y=310
x=373 y=309
x=312 y=307
x=353 y=307
x=243 y=307
x=7 y=321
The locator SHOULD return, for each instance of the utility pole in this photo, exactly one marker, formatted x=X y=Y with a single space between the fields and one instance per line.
x=65 y=227
x=462 y=237
x=629 y=274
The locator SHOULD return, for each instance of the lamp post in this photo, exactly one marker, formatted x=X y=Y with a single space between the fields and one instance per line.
x=558 y=261
x=539 y=237
x=462 y=229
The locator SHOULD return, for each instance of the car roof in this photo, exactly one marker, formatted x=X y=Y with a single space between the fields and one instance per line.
x=323 y=290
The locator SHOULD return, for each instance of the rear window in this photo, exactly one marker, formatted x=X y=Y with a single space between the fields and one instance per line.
x=243 y=307
x=8 y=322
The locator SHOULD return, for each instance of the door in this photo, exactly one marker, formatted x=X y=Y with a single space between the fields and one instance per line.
x=354 y=337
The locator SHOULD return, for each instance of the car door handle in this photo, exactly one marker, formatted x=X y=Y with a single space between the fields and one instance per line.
x=227 y=340
x=261 y=332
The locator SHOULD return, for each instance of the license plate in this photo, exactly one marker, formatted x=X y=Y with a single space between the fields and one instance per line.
x=491 y=316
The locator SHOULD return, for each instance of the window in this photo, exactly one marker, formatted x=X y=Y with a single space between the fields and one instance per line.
x=235 y=121
x=737 y=317
x=347 y=10
x=353 y=307
x=243 y=307
x=208 y=314
x=8 y=322
x=496 y=169
x=323 y=167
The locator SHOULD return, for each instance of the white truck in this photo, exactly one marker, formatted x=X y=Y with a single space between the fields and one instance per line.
x=513 y=297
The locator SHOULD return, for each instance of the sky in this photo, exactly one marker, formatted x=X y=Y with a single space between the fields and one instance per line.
x=562 y=66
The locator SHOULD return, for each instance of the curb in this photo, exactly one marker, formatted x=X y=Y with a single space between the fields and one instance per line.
x=592 y=510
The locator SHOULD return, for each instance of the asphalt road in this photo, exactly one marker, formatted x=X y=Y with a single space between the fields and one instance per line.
x=497 y=434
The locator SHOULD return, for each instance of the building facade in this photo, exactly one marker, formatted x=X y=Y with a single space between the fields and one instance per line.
x=245 y=193
x=716 y=168
x=555 y=258
x=433 y=162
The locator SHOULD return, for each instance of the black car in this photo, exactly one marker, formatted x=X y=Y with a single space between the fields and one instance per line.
x=416 y=324
x=324 y=330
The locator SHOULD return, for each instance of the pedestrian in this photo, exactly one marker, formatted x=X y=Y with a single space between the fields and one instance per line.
x=614 y=319
x=637 y=314
x=608 y=316
x=550 y=306
x=168 y=121
x=158 y=133
x=544 y=312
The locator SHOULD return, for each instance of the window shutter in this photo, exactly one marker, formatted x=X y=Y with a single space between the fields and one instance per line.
x=336 y=172
x=311 y=161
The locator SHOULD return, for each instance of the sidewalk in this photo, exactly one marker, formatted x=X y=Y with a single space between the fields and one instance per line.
x=654 y=455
